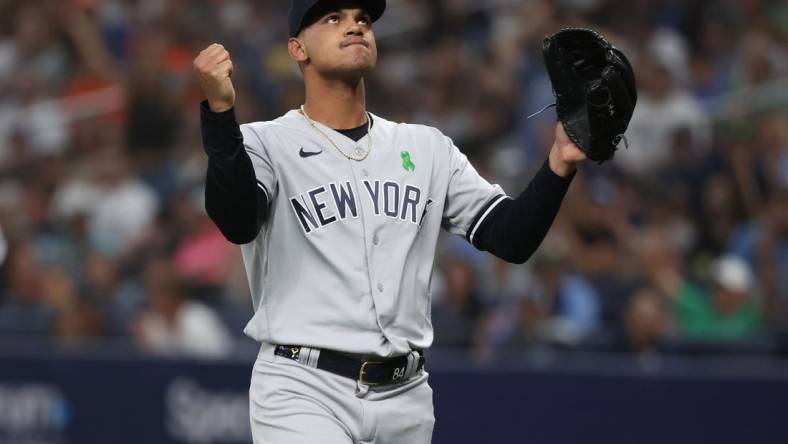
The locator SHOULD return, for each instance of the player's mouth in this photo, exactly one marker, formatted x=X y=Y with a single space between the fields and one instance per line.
x=354 y=41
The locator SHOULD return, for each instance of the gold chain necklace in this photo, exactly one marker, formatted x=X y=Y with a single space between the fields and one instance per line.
x=359 y=153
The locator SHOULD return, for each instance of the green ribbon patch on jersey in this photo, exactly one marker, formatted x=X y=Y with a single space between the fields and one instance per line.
x=406 y=162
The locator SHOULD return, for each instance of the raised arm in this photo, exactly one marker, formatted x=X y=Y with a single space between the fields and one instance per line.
x=515 y=229
x=232 y=198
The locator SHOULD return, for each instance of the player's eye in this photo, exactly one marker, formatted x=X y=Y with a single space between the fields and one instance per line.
x=333 y=18
x=365 y=20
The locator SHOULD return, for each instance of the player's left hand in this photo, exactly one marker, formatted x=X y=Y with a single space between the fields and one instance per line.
x=564 y=155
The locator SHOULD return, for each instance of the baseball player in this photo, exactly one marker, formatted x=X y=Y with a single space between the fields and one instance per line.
x=337 y=211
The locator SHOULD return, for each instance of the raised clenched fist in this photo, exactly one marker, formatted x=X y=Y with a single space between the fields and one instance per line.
x=214 y=69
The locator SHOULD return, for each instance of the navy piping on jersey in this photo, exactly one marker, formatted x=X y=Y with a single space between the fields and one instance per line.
x=482 y=214
x=252 y=153
x=514 y=228
x=262 y=187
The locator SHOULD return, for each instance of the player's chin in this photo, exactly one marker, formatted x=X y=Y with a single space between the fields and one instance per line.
x=358 y=67
x=360 y=55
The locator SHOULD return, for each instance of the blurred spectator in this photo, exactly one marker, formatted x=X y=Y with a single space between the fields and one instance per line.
x=456 y=311
x=78 y=323
x=599 y=237
x=719 y=213
x=32 y=64
x=202 y=255
x=725 y=310
x=174 y=325
x=647 y=321
x=118 y=299
x=565 y=305
x=23 y=308
x=561 y=308
x=123 y=205
x=761 y=59
x=78 y=320
x=763 y=243
x=664 y=106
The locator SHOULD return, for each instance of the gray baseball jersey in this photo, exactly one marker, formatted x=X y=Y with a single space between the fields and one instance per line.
x=345 y=258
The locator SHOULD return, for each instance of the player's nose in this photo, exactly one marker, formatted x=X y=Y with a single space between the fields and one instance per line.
x=354 y=30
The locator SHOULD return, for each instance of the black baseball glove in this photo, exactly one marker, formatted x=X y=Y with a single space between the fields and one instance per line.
x=594 y=87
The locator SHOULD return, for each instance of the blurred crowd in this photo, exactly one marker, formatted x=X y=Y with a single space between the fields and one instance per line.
x=678 y=245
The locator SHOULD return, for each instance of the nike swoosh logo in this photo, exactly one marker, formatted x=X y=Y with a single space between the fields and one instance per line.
x=306 y=154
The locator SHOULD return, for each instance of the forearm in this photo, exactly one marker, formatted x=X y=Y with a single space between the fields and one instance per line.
x=517 y=227
x=232 y=198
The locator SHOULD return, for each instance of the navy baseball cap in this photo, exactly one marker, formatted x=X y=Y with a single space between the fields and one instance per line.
x=304 y=12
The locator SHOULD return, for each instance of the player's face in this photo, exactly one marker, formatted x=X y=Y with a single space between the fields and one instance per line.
x=341 y=44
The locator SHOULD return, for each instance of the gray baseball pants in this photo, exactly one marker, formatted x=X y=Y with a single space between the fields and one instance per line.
x=293 y=403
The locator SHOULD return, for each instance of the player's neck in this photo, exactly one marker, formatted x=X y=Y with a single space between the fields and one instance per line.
x=338 y=104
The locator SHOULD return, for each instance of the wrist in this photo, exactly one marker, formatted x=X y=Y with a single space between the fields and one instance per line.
x=558 y=165
x=222 y=120
x=220 y=106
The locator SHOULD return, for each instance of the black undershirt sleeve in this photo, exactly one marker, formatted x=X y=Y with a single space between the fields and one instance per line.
x=232 y=198
x=516 y=227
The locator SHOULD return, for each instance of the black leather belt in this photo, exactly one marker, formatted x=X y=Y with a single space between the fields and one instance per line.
x=378 y=371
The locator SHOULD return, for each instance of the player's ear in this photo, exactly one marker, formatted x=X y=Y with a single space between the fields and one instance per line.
x=297 y=50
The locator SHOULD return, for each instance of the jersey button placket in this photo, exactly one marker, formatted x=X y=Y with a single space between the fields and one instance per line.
x=380 y=287
x=375 y=240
